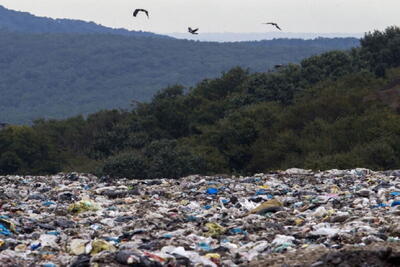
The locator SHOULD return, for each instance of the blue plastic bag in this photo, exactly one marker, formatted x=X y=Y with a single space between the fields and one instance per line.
x=212 y=191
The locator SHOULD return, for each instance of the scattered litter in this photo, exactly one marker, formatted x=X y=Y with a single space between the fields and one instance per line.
x=212 y=191
x=193 y=221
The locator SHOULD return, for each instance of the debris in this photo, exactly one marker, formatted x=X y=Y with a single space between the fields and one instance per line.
x=101 y=245
x=272 y=205
x=80 y=220
x=78 y=246
x=82 y=206
x=212 y=191
x=215 y=230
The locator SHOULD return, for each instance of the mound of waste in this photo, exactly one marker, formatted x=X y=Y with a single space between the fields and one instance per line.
x=286 y=218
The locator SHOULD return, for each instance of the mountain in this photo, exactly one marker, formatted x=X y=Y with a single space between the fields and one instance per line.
x=257 y=36
x=61 y=75
x=339 y=109
x=52 y=68
x=28 y=23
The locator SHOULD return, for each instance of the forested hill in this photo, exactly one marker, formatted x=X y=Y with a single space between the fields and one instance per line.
x=28 y=23
x=339 y=109
x=56 y=68
x=61 y=75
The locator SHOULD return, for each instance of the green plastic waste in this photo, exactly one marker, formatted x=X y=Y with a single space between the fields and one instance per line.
x=215 y=230
x=99 y=245
x=271 y=205
x=82 y=206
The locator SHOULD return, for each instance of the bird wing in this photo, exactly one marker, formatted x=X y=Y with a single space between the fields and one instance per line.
x=190 y=29
x=195 y=30
x=140 y=10
x=273 y=24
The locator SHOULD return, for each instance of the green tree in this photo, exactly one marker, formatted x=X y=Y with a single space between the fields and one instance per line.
x=10 y=163
x=381 y=49
x=24 y=151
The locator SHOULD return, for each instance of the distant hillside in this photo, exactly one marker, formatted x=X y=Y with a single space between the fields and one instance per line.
x=257 y=36
x=339 y=109
x=28 y=23
x=56 y=68
x=61 y=75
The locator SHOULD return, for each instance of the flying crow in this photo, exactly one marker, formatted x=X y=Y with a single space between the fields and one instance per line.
x=193 y=31
x=273 y=24
x=140 y=10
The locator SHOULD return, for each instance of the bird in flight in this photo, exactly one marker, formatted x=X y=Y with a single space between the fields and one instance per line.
x=273 y=24
x=193 y=31
x=140 y=10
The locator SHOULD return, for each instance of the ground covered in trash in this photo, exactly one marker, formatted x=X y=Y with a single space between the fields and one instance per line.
x=377 y=255
x=287 y=218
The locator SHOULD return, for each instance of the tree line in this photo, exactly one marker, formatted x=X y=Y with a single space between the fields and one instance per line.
x=59 y=75
x=317 y=114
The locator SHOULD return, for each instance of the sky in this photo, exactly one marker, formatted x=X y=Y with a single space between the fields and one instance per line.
x=236 y=16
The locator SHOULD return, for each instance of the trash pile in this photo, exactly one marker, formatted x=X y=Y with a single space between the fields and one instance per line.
x=82 y=220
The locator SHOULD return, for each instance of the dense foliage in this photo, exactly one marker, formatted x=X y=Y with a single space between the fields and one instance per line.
x=322 y=113
x=62 y=75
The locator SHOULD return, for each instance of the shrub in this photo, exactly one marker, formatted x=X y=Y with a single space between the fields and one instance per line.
x=128 y=164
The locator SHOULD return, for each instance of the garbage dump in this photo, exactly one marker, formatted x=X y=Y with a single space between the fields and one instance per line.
x=285 y=218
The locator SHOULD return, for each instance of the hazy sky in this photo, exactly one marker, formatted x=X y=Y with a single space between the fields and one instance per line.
x=166 y=16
